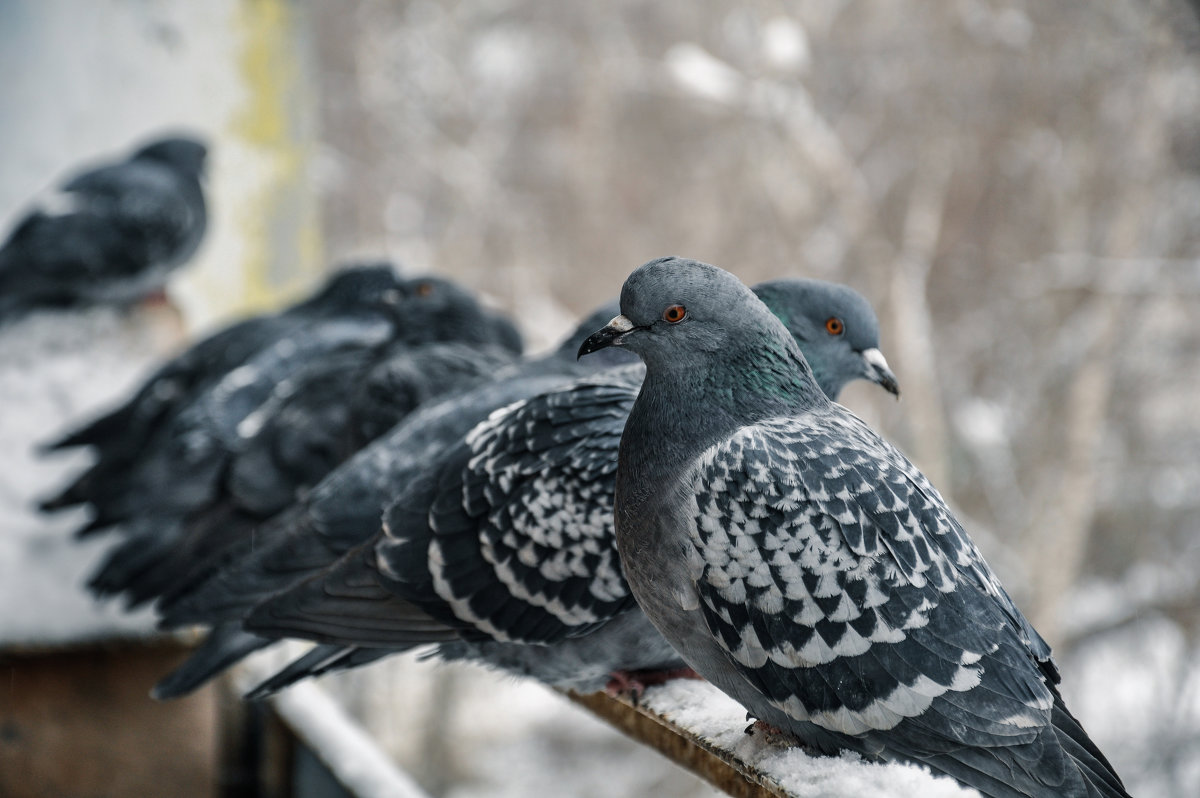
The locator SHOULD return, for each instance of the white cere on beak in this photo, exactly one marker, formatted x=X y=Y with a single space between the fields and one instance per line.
x=875 y=358
x=622 y=324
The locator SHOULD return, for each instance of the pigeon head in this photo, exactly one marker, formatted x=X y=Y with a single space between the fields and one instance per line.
x=673 y=307
x=181 y=152
x=836 y=328
x=696 y=324
x=359 y=284
x=437 y=309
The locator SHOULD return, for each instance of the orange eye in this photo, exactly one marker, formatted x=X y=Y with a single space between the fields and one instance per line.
x=424 y=289
x=675 y=314
x=834 y=326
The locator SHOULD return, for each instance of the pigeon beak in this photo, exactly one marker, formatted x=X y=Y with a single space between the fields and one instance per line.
x=878 y=371
x=606 y=336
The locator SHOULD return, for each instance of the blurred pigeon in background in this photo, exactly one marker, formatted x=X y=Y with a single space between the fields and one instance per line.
x=802 y=565
x=122 y=432
x=113 y=236
x=505 y=540
x=289 y=444
x=270 y=428
x=215 y=398
x=208 y=390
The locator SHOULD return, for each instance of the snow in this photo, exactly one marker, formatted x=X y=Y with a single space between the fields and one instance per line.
x=56 y=369
x=719 y=720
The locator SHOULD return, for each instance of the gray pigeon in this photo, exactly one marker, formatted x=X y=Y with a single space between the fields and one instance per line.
x=124 y=228
x=802 y=565
x=504 y=550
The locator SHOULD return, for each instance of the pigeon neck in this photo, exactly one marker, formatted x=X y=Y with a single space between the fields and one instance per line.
x=763 y=378
x=683 y=408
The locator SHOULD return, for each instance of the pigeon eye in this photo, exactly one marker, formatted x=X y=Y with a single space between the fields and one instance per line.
x=424 y=289
x=675 y=314
x=834 y=326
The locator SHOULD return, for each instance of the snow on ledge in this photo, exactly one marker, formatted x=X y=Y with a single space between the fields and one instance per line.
x=702 y=729
x=56 y=370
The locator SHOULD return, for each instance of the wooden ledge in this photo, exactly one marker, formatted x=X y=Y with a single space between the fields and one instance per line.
x=701 y=729
x=683 y=746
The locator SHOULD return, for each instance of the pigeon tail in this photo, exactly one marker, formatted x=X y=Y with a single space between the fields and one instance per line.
x=319 y=661
x=225 y=645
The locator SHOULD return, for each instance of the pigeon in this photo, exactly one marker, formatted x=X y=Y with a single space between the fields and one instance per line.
x=122 y=432
x=176 y=470
x=341 y=512
x=308 y=428
x=802 y=565
x=122 y=229
x=270 y=429
x=187 y=443
x=507 y=545
x=287 y=446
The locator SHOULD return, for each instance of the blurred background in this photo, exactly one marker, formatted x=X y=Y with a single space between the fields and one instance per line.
x=1014 y=184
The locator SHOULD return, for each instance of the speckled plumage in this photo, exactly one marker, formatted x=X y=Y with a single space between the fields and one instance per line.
x=804 y=566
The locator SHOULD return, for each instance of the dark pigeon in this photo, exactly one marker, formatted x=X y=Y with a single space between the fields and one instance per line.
x=803 y=566
x=188 y=421
x=122 y=432
x=188 y=442
x=271 y=428
x=123 y=228
x=308 y=428
x=508 y=544
x=290 y=443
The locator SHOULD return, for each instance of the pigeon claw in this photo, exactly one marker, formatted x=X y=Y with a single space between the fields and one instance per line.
x=632 y=684
x=775 y=735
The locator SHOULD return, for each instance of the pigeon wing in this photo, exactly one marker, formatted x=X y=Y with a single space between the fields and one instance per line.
x=839 y=584
x=521 y=543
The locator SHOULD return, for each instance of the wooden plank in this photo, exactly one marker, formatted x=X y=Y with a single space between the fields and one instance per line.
x=81 y=723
